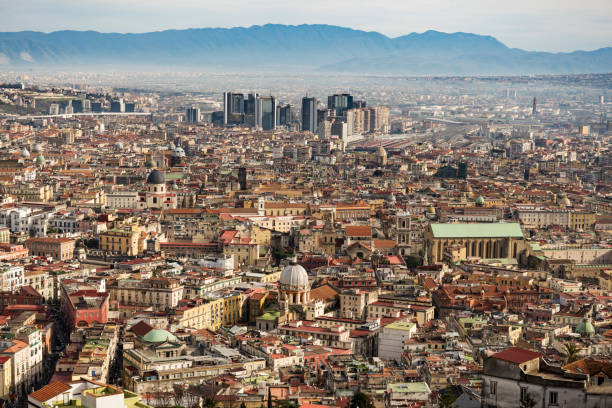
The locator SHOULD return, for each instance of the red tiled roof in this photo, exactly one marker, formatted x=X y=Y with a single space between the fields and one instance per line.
x=516 y=355
x=358 y=231
x=49 y=391
x=141 y=328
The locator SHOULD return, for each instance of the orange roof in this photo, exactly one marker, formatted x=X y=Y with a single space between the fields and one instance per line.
x=516 y=355
x=17 y=345
x=325 y=293
x=384 y=243
x=49 y=391
x=358 y=231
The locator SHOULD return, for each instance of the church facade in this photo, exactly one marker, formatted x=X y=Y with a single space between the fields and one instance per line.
x=482 y=240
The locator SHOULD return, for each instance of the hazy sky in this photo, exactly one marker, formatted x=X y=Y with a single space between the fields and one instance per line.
x=542 y=25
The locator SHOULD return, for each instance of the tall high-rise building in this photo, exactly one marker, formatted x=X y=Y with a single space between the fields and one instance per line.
x=192 y=115
x=309 y=114
x=233 y=108
x=265 y=113
x=534 y=109
x=77 y=105
x=340 y=103
x=283 y=115
x=249 y=104
x=117 y=106
x=96 y=107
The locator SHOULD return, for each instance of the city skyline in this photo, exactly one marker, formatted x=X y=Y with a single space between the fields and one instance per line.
x=542 y=26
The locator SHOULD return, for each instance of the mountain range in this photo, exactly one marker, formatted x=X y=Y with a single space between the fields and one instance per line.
x=286 y=48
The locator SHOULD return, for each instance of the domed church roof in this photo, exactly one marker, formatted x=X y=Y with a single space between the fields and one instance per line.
x=159 y=336
x=585 y=327
x=294 y=277
x=156 y=177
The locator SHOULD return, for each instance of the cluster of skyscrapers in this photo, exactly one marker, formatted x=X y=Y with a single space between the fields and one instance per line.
x=342 y=117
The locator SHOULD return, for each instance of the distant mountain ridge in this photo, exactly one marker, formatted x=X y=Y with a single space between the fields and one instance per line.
x=289 y=48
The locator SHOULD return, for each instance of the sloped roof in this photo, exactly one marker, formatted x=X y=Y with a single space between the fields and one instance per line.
x=141 y=328
x=590 y=366
x=324 y=293
x=49 y=391
x=516 y=355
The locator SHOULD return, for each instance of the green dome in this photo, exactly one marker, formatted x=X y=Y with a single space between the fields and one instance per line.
x=480 y=200
x=40 y=159
x=174 y=186
x=159 y=336
x=585 y=327
x=150 y=163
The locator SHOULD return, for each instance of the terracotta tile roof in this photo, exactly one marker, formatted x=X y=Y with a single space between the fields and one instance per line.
x=49 y=391
x=384 y=243
x=141 y=328
x=358 y=231
x=591 y=367
x=324 y=293
x=516 y=355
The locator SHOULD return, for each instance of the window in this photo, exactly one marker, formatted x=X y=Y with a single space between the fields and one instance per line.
x=523 y=393
x=552 y=398
x=493 y=387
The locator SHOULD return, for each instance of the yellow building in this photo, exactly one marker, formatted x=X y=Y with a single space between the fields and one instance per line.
x=119 y=241
x=244 y=253
x=211 y=313
x=5 y=235
x=275 y=208
x=5 y=377
x=31 y=192
x=582 y=220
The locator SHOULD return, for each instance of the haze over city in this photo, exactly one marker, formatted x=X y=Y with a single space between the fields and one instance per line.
x=267 y=204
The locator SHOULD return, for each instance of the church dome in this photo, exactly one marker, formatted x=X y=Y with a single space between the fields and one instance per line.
x=40 y=159
x=37 y=148
x=294 y=277
x=150 y=163
x=159 y=336
x=585 y=327
x=431 y=209
x=480 y=200
x=25 y=153
x=156 y=177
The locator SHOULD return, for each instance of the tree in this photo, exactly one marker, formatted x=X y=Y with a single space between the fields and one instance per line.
x=446 y=399
x=361 y=400
x=287 y=404
x=242 y=405
x=527 y=402
x=570 y=353
x=191 y=399
x=179 y=395
x=210 y=403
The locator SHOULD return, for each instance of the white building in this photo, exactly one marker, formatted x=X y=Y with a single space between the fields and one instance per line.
x=515 y=374
x=24 y=220
x=11 y=277
x=392 y=338
x=122 y=199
